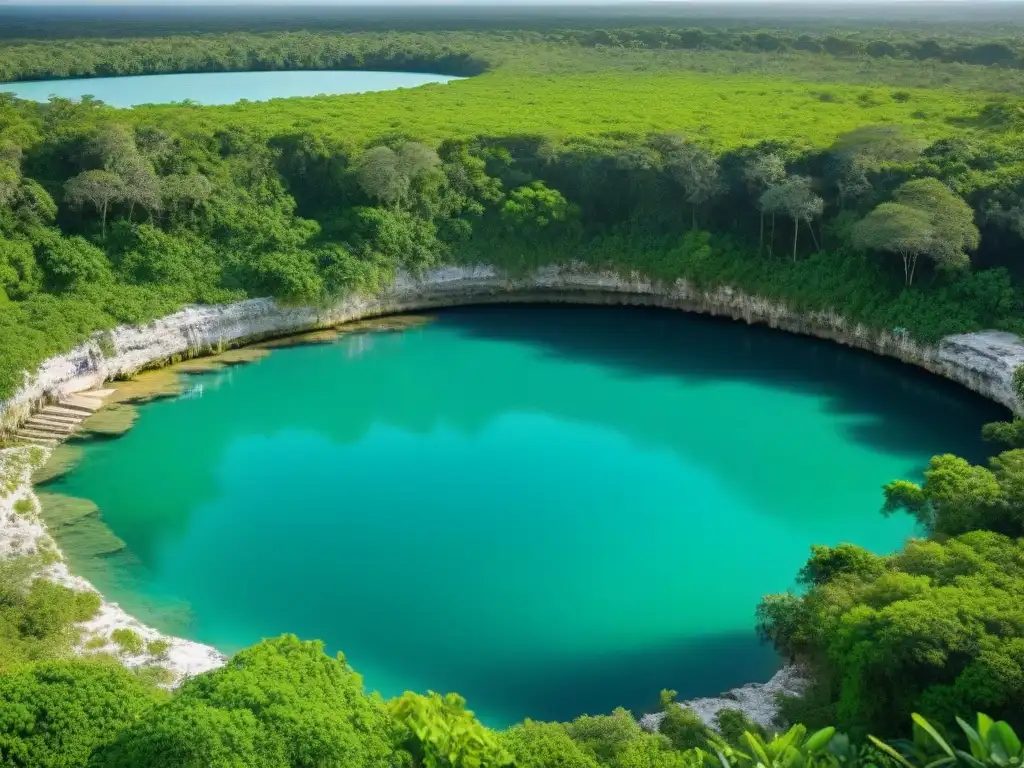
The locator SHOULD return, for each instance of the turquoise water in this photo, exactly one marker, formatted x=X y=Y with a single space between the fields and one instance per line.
x=218 y=87
x=552 y=510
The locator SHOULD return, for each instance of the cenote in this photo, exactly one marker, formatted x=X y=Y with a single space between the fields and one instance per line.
x=551 y=510
x=219 y=87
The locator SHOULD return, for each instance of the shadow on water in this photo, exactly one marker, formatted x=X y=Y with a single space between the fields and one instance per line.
x=899 y=408
x=596 y=684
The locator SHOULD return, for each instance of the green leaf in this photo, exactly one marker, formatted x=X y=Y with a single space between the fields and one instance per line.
x=978 y=749
x=791 y=757
x=792 y=737
x=890 y=752
x=930 y=730
x=757 y=747
x=1007 y=739
x=819 y=740
x=971 y=760
x=984 y=725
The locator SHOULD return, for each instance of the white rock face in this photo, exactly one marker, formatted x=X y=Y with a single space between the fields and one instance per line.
x=981 y=361
x=991 y=356
x=758 y=701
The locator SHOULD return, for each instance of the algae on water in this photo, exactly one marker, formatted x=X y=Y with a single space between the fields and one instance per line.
x=221 y=361
x=383 y=324
x=328 y=336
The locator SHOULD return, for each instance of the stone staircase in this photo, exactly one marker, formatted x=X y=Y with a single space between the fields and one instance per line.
x=55 y=423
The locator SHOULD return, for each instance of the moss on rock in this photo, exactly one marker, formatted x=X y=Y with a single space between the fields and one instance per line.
x=76 y=525
x=111 y=421
x=64 y=458
x=147 y=387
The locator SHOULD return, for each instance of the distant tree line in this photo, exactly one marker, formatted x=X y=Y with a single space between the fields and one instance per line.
x=233 y=52
x=455 y=53
x=1006 y=52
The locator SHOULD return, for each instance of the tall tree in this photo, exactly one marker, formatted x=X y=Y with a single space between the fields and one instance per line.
x=927 y=219
x=10 y=179
x=761 y=172
x=937 y=628
x=388 y=175
x=863 y=151
x=141 y=186
x=101 y=189
x=693 y=167
x=282 y=703
x=900 y=229
x=184 y=190
x=955 y=230
x=60 y=712
x=114 y=147
x=795 y=197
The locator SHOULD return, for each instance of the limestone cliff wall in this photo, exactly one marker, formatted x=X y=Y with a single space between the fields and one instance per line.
x=983 y=362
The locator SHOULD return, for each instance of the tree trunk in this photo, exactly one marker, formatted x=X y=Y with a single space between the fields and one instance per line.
x=814 y=237
x=913 y=266
x=760 y=242
x=103 y=219
x=771 y=242
x=796 y=234
x=693 y=218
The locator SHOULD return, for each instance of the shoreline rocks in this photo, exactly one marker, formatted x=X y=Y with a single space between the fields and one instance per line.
x=758 y=701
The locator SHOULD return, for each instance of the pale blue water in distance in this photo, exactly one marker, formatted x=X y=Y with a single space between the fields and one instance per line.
x=210 y=88
x=551 y=510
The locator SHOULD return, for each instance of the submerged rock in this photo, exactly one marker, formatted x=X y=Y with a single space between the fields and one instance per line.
x=302 y=339
x=76 y=526
x=384 y=324
x=224 y=360
x=147 y=387
x=64 y=458
x=112 y=421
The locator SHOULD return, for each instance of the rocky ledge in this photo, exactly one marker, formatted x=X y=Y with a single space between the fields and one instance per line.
x=983 y=361
x=758 y=701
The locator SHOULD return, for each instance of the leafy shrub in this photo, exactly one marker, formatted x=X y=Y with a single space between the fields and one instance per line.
x=129 y=641
x=57 y=713
x=158 y=648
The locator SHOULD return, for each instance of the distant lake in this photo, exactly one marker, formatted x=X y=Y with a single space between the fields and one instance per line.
x=219 y=87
